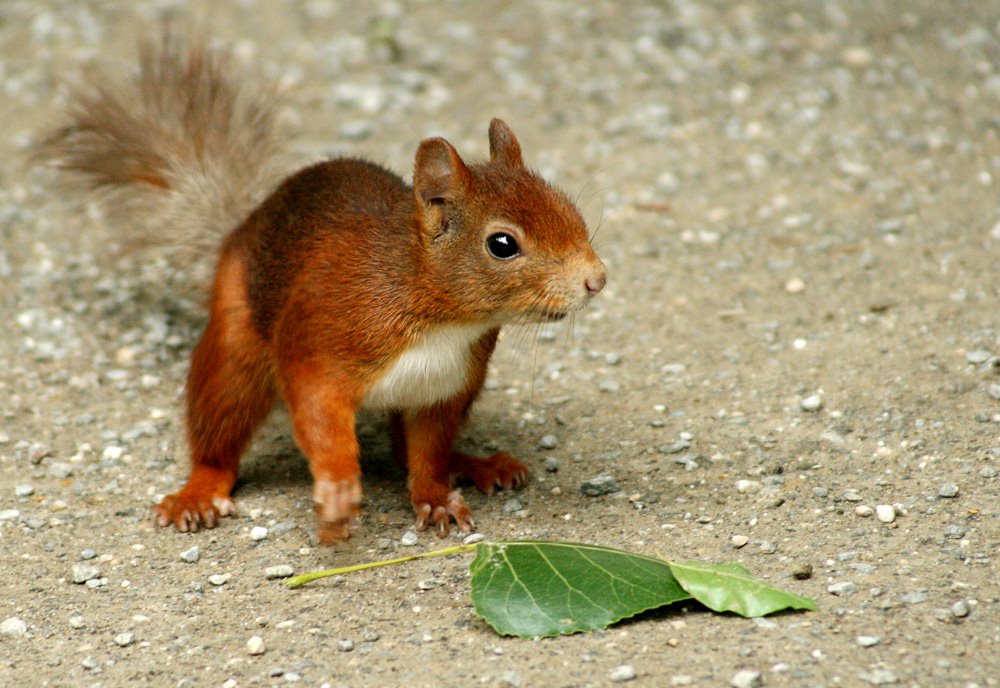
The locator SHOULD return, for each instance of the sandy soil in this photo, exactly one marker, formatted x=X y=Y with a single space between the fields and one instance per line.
x=798 y=205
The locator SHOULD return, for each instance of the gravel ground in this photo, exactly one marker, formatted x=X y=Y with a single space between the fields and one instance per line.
x=796 y=363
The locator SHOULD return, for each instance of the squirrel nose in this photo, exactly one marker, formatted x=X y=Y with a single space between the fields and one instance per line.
x=595 y=281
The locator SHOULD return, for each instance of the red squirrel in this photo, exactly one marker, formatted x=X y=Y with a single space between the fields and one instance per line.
x=342 y=289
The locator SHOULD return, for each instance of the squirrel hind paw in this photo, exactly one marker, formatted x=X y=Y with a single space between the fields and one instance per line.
x=499 y=471
x=189 y=513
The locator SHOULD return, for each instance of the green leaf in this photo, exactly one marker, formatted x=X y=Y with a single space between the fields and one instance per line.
x=537 y=589
x=731 y=588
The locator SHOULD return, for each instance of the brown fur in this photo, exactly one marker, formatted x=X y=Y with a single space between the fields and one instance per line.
x=338 y=280
x=177 y=153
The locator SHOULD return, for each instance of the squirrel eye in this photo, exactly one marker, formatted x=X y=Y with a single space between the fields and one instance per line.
x=502 y=246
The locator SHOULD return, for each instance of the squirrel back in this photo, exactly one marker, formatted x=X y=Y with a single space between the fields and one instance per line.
x=177 y=154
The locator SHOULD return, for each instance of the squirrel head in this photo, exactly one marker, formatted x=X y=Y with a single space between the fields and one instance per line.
x=504 y=245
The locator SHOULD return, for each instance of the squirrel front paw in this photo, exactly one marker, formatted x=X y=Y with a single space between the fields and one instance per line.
x=336 y=502
x=191 y=511
x=440 y=509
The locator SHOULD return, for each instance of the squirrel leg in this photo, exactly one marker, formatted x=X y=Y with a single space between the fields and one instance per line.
x=427 y=437
x=229 y=394
x=323 y=422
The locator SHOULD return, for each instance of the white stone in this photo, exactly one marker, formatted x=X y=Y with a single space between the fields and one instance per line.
x=813 y=402
x=13 y=627
x=746 y=678
x=885 y=513
x=255 y=646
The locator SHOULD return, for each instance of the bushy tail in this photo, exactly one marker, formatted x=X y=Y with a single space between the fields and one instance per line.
x=178 y=153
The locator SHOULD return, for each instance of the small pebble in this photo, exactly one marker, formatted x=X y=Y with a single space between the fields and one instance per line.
x=842 y=589
x=599 y=485
x=511 y=679
x=191 y=555
x=124 y=639
x=345 y=645
x=9 y=514
x=88 y=554
x=802 y=572
x=255 y=646
x=813 y=402
x=409 y=538
x=13 y=627
x=675 y=447
x=879 y=677
x=867 y=640
x=886 y=513
x=473 y=538
x=795 y=286
x=746 y=678
x=258 y=533
x=833 y=438
x=278 y=571
x=60 y=470
x=766 y=546
x=512 y=505
x=548 y=442
x=820 y=492
x=81 y=573
x=626 y=672
x=77 y=622
x=978 y=356
x=915 y=597
x=609 y=386
x=551 y=465
x=948 y=490
x=864 y=511
x=955 y=531
x=744 y=486
x=219 y=578
x=857 y=56
x=739 y=541
x=960 y=609
x=994 y=390
x=113 y=452
x=24 y=490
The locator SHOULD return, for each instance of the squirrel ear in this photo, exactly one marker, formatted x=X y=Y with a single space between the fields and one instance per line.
x=439 y=173
x=504 y=148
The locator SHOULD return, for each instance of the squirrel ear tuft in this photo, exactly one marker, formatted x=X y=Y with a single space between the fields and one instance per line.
x=504 y=148
x=439 y=173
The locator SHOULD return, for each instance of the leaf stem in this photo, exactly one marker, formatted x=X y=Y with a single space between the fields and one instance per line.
x=299 y=581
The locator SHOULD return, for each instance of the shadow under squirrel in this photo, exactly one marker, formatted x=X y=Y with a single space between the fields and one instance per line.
x=338 y=289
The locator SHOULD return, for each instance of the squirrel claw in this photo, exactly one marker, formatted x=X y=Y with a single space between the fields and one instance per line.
x=500 y=471
x=441 y=515
x=189 y=513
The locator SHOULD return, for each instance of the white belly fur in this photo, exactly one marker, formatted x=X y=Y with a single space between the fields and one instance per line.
x=432 y=370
